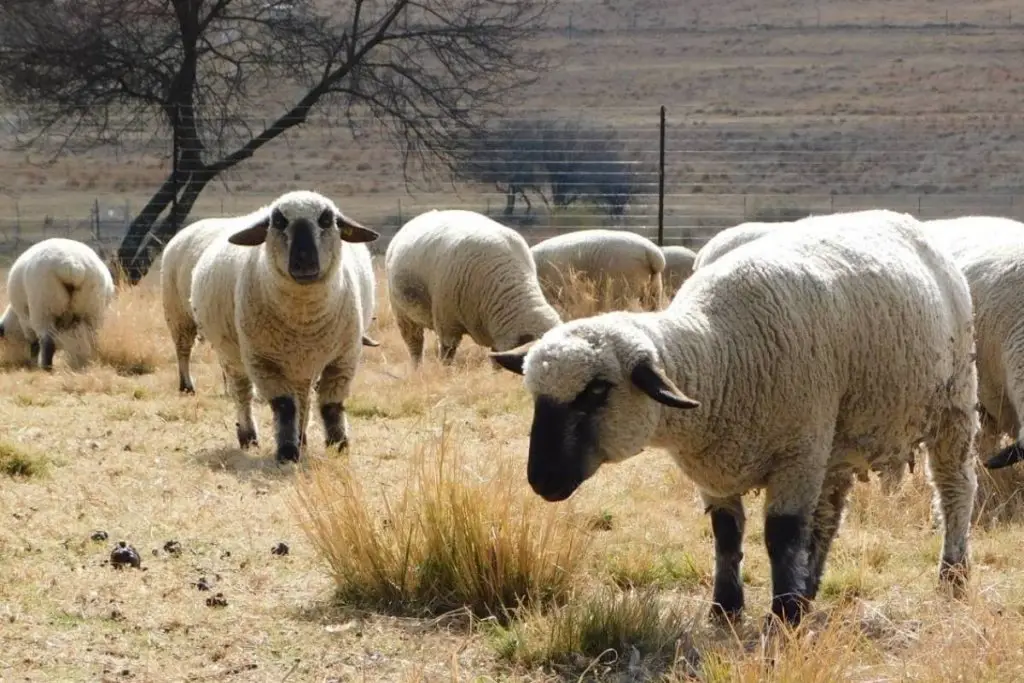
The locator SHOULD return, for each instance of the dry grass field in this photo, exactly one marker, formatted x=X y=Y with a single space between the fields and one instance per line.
x=421 y=554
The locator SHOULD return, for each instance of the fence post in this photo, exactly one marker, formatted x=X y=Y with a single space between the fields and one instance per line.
x=661 y=180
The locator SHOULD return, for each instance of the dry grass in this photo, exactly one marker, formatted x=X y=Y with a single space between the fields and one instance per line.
x=579 y=295
x=455 y=538
x=126 y=339
x=148 y=466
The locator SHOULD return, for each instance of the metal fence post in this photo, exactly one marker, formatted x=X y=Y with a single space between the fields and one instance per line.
x=661 y=180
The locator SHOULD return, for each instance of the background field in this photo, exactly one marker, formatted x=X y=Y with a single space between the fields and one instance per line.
x=773 y=108
x=800 y=105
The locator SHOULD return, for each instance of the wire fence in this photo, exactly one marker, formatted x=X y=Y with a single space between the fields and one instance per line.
x=546 y=172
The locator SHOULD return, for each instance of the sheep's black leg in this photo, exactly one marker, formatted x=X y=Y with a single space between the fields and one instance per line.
x=286 y=425
x=47 y=347
x=785 y=537
x=34 y=350
x=727 y=524
x=333 y=415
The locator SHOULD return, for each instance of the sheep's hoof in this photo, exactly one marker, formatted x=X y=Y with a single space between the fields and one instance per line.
x=186 y=387
x=341 y=444
x=723 y=617
x=246 y=437
x=287 y=452
x=954 y=577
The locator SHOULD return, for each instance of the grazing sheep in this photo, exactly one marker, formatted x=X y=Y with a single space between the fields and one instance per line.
x=990 y=252
x=59 y=292
x=825 y=350
x=629 y=262
x=458 y=272
x=678 y=267
x=279 y=300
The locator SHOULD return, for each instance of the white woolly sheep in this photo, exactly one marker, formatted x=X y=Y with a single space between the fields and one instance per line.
x=285 y=315
x=627 y=261
x=990 y=252
x=678 y=267
x=458 y=272
x=59 y=292
x=726 y=240
x=179 y=260
x=824 y=350
x=177 y=263
x=890 y=472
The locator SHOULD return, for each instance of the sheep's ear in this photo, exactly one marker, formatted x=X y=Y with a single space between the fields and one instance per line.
x=512 y=360
x=352 y=231
x=252 y=236
x=370 y=341
x=658 y=386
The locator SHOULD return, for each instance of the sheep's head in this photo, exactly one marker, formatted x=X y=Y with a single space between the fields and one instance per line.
x=303 y=232
x=598 y=393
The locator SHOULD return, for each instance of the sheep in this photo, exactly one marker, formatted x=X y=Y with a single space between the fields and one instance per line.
x=629 y=261
x=990 y=252
x=176 y=266
x=179 y=260
x=59 y=291
x=678 y=267
x=726 y=240
x=824 y=350
x=459 y=272
x=279 y=300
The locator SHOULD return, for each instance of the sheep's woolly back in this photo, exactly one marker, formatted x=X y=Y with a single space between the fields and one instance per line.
x=599 y=251
x=180 y=257
x=57 y=284
x=465 y=273
x=861 y=331
x=990 y=252
x=725 y=241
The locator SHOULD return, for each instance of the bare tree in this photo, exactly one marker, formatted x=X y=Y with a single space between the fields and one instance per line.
x=425 y=71
x=574 y=161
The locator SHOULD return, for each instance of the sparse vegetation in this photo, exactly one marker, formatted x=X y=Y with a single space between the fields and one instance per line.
x=455 y=538
x=18 y=461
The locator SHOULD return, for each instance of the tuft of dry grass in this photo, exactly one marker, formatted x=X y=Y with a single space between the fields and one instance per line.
x=577 y=295
x=133 y=323
x=631 y=629
x=455 y=538
x=18 y=461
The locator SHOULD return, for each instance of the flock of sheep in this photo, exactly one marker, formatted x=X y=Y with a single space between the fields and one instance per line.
x=793 y=358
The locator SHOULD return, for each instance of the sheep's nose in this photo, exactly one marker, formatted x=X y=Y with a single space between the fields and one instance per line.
x=303 y=258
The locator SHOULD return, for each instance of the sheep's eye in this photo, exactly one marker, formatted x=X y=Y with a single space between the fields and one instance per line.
x=593 y=395
x=278 y=220
x=326 y=219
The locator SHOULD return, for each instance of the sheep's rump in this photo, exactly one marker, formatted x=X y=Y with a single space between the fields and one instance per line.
x=871 y=317
x=990 y=253
x=58 y=284
x=679 y=262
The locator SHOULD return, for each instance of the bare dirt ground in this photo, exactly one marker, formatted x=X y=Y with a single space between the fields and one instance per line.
x=125 y=454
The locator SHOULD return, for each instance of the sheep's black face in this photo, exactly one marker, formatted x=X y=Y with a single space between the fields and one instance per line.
x=303 y=245
x=563 y=441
